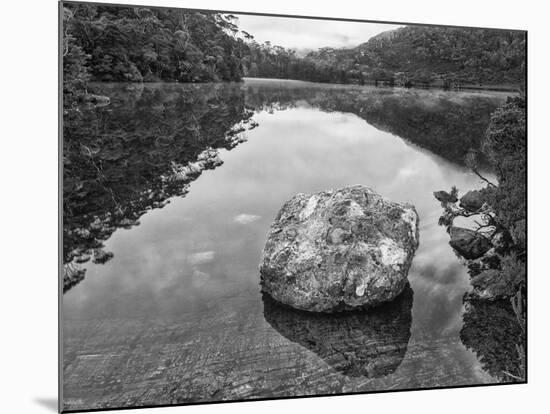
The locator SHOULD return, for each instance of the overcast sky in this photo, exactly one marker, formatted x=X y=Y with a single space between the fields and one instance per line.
x=308 y=33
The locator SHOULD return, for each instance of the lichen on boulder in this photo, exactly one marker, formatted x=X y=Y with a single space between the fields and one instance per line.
x=339 y=250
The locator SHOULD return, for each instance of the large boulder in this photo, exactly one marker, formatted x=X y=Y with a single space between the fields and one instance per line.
x=469 y=243
x=339 y=250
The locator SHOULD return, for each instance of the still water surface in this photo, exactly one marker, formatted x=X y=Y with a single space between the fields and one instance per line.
x=177 y=314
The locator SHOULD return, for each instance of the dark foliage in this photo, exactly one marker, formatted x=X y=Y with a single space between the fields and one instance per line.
x=269 y=61
x=500 y=275
x=75 y=69
x=141 y=44
x=505 y=146
x=491 y=330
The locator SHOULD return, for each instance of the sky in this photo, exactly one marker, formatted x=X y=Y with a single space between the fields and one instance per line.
x=308 y=33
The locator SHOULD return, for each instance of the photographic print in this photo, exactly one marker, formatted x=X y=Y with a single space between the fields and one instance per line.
x=263 y=206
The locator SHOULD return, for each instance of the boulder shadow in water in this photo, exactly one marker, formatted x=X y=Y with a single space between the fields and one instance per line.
x=369 y=343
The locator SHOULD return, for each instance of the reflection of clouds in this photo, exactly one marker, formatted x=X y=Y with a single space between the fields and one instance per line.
x=407 y=172
x=245 y=218
x=439 y=278
x=199 y=279
x=201 y=257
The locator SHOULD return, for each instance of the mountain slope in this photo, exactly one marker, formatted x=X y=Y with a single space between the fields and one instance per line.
x=427 y=54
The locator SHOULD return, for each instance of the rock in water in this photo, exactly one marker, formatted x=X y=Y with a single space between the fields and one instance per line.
x=472 y=201
x=339 y=250
x=469 y=243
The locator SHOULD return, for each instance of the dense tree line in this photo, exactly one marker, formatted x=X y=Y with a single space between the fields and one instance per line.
x=463 y=55
x=108 y=43
x=272 y=61
x=409 y=56
x=505 y=146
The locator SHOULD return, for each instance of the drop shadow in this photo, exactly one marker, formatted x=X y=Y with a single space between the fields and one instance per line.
x=48 y=403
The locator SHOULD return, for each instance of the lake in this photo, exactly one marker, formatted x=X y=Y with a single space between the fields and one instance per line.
x=162 y=302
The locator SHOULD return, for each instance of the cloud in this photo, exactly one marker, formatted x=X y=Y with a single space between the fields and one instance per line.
x=201 y=257
x=299 y=34
x=245 y=218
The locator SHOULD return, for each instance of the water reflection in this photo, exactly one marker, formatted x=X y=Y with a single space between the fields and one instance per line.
x=129 y=157
x=370 y=344
x=178 y=305
x=447 y=123
x=491 y=330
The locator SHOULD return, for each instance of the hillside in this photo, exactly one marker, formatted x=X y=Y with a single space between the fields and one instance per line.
x=425 y=55
x=147 y=44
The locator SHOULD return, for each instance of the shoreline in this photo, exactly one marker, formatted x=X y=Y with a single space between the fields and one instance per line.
x=464 y=88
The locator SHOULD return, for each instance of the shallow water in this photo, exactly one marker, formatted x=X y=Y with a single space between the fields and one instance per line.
x=177 y=315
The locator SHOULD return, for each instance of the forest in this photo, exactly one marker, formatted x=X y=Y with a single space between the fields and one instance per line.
x=134 y=44
x=137 y=44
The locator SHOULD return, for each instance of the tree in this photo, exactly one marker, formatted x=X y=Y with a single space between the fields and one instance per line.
x=136 y=44
x=75 y=70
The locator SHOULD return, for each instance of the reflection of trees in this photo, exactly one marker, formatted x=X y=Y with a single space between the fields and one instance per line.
x=496 y=250
x=491 y=330
x=133 y=155
x=369 y=343
x=128 y=157
x=445 y=123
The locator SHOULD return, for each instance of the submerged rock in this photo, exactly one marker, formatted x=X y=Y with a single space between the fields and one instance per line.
x=370 y=344
x=472 y=201
x=339 y=250
x=469 y=243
